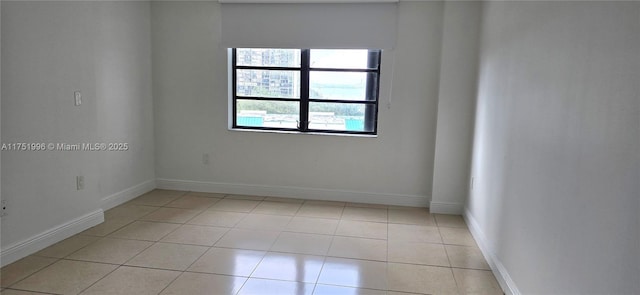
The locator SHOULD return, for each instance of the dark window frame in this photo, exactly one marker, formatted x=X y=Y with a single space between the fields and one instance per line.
x=371 y=101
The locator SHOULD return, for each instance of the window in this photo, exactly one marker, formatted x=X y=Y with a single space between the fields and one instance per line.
x=306 y=90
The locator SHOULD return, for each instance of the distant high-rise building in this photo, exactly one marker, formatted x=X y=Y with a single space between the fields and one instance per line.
x=268 y=83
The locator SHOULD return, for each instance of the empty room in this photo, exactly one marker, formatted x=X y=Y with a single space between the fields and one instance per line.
x=379 y=147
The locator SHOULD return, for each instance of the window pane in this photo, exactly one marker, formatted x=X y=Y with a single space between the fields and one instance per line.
x=265 y=83
x=339 y=59
x=264 y=113
x=257 y=57
x=340 y=116
x=339 y=85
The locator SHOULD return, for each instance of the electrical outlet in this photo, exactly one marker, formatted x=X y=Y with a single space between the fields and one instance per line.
x=79 y=182
x=205 y=159
x=4 y=208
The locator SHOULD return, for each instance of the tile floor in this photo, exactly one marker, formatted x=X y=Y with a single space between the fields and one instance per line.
x=173 y=242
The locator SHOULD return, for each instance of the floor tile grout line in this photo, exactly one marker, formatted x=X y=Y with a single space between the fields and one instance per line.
x=294 y=214
x=254 y=269
x=100 y=279
x=187 y=194
x=109 y=233
x=455 y=281
x=159 y=221
x=279 y=280
x=171 y=221
x=387 y=212
x=365 y=288
x=147 y=267
x=342 y=212
x=205 y=225
x=169 y=284
x=137 y=254
x=91 y=261
x=447 y=253
x=326 y=254
x=145 y=215
x=324 y=262
x=313 y=291
x=361 y=288
x=23 y=290
x=37 y=271
x=191 y=244
x=185 y=269
x=194 y=261
x=215 y=273
x=73 y=252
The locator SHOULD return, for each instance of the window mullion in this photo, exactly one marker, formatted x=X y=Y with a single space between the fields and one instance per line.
x=304 y=91
x=234 y=124
x=371 y=92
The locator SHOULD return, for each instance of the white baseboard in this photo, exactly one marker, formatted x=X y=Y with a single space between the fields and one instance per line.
x=127 y=194
x=47 y=238
x=446 y=208
x=294 y=192
x=499 y=271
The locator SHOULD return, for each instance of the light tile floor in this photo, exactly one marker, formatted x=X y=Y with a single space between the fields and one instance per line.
x=174 y=242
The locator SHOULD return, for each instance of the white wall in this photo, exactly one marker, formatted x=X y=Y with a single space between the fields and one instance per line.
x=191 y=103
x=52 y=49
x=557 y=146
x=457 y=90
x=43 y=63
x=125 y=106
x=1 y=198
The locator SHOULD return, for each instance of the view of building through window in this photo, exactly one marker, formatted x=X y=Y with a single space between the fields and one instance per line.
x=336 y=88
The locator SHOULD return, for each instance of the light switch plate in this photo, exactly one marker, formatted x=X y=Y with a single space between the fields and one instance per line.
x=78 y=98
x=80 y=182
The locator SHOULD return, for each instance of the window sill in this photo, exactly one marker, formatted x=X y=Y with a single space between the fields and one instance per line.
x=304 y=133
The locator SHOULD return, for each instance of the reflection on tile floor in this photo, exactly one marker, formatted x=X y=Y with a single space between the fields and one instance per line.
x=174 y=242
